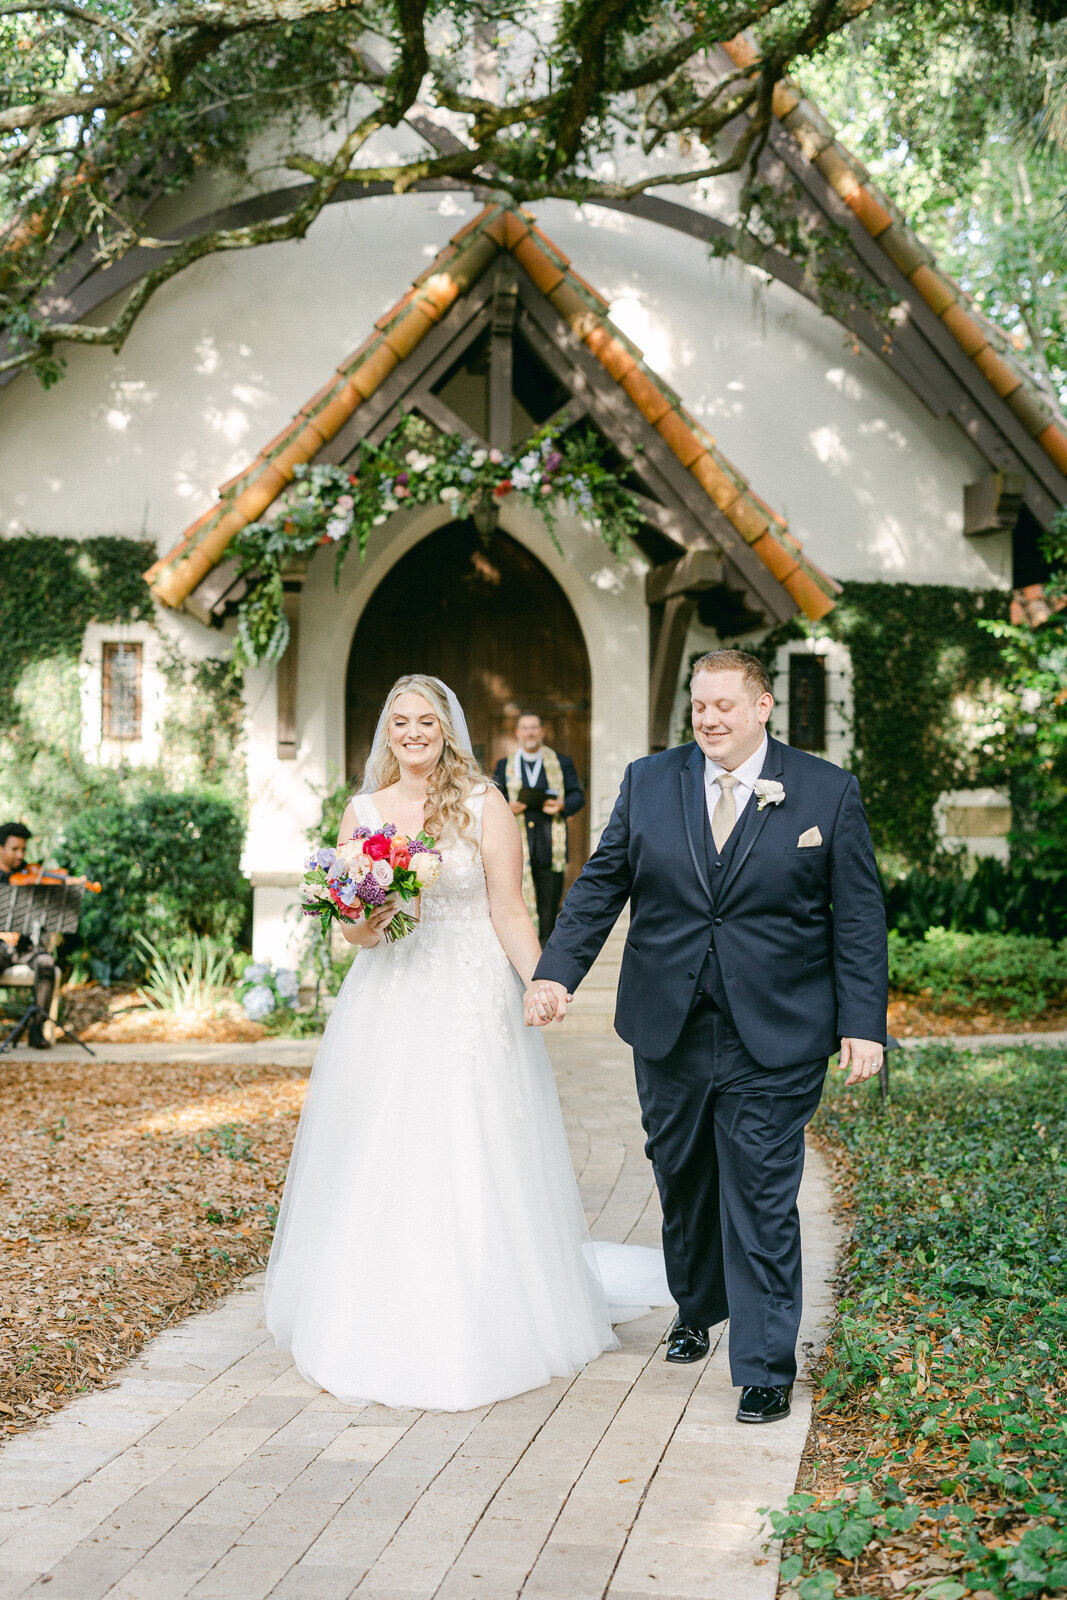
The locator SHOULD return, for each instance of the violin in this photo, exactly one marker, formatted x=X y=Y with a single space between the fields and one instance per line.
x=34 y=873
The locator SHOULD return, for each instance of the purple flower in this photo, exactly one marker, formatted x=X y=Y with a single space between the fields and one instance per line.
x=388 y=830
x=323 y=857
x=371 y=893
x=416 y=847
x=553 y=461
x=401 y=478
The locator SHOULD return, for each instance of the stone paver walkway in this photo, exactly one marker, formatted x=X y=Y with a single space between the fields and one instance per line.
x=213 y=1471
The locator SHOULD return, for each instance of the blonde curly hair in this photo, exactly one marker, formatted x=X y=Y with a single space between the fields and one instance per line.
x=454 y=779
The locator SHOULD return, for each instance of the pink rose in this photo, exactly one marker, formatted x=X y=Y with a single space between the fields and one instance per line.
x=382 y=873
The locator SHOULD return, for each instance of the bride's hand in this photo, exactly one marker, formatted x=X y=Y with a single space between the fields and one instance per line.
x=369 y=931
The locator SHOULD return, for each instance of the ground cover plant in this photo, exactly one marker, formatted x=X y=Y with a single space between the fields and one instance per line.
x=938 y=1459
x=1011 y=973
x=131 y=1195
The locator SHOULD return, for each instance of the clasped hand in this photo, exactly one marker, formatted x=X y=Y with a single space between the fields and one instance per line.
x=545 y=1001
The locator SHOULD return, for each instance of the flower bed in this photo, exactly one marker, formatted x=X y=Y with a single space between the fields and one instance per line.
x=131 y=1196
x=937 y=1464
x=1007 y=973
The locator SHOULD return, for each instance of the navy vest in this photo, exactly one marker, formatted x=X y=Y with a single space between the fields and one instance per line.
x=710 y=989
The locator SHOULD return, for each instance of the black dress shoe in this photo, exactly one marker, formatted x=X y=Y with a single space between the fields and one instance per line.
x=764 y=1405
x=685 y=1343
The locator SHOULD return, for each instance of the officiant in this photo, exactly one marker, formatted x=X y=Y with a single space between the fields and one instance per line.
x=541 y=786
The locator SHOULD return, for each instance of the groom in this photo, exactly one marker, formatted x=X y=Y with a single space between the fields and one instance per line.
x=757 y=947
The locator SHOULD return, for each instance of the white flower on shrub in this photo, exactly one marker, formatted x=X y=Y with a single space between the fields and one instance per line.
x=258 y=1002
x=256 y=972
x=287 y=983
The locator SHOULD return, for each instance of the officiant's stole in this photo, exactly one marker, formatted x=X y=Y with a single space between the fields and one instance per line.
x=554 y=775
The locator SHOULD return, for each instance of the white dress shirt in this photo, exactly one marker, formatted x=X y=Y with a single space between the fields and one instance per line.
x=532 y=762
x=746 y=775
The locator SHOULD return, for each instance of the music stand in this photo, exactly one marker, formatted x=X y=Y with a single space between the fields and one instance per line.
x=38 y=909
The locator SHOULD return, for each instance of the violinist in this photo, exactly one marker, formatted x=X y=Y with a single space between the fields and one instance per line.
x=16 y=948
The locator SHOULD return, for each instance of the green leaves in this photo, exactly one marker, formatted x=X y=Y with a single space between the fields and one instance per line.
x=1026 y=975
x=947 y=1356
x=417 y=465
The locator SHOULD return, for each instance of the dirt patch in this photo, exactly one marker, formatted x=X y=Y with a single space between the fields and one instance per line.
x=131 y=1195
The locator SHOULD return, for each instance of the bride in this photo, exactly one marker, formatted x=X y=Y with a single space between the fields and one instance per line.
x=431 y=1249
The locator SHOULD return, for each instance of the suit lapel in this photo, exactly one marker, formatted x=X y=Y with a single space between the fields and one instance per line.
x=754 y=819
x=694 y=808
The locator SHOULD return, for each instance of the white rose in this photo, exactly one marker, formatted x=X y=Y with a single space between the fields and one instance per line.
x=425 y=867
x=351 y=856
x=479 y=458
x=382 y=873
x=451 y=493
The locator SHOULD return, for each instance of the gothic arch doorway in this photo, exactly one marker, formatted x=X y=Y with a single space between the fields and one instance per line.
x=490 y=620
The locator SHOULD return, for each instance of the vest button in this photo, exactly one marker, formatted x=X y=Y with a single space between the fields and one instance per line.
x=690 y=974
x=718 y=922
x=718 y=866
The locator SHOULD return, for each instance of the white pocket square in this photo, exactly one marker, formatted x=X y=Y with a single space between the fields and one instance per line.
x=810 y=836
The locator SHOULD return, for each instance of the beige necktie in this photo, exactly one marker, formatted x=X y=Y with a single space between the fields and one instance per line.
x=725 y=814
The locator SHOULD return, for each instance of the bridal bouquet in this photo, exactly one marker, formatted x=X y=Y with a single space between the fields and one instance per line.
x=350 y=882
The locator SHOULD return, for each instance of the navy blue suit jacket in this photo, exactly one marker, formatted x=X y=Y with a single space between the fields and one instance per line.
x=800 y=933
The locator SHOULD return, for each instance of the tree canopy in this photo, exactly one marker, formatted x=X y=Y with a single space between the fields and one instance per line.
x=113 y=105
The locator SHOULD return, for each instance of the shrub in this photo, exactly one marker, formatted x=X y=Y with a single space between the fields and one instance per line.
x=170 y=867
x=989 y=896
x=987 y=969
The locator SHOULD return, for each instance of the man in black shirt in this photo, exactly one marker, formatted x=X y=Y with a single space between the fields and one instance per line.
x=15 y=948
x=542 y=788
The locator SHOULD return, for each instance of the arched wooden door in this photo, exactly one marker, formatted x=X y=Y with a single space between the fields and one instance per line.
x=490 y=620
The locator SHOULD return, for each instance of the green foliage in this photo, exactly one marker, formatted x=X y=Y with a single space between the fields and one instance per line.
x=919 y=658
x=417 y=465
x=959 y=111
x=203 y=726
x=948 y=1350
x=50 y=590
x=1033 y=745
x=179 y=984
x=170 y=867
x=984 y=896
x=1025 y=974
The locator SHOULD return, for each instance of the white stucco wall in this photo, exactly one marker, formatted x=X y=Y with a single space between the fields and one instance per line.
x=228 y=352
x=225 y=355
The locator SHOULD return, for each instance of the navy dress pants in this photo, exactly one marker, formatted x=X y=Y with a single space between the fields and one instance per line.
x=726 y=1142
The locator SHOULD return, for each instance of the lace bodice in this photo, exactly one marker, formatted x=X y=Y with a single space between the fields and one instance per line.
x=459 y=896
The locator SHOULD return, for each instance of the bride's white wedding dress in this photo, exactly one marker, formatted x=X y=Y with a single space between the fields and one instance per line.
x=431 y=1249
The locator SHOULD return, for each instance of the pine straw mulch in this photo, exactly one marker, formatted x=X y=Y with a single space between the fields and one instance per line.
x=96 y=1013
x=916 y=1018
x=131 y=1196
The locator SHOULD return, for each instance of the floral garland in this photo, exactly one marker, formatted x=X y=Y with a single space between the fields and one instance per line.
x=416 y=465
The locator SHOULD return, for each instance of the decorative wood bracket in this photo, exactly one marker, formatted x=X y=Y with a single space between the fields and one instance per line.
x=992 y=505
x=292 y=587
x=501 y=357
x=672 y=592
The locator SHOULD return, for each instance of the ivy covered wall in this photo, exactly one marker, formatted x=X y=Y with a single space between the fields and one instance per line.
x=51 y=589
x=926 y=682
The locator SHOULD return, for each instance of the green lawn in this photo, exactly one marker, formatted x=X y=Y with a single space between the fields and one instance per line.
x=942 y=1455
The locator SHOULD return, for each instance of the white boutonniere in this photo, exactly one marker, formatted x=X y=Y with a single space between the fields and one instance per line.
x=769 y=791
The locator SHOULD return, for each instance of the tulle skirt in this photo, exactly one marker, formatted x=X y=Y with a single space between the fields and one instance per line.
x=431 y=1249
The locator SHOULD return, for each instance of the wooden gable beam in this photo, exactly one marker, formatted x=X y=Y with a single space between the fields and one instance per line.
x=650 y=458
x=501 y=355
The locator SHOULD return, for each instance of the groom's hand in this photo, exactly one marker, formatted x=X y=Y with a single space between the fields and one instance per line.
x=545 y=1001
x=863 y=1056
